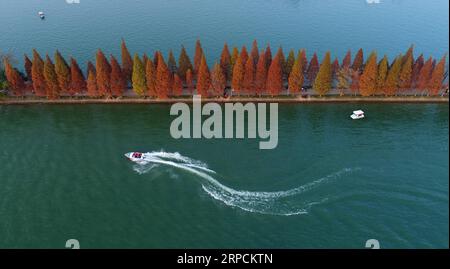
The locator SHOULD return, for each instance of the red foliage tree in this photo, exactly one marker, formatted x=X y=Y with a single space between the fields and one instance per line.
x=335 y=67
x=197 y=56
x=261 y=75
x=418 y=64
x=37 y=70
x=156 y=59
x=177 y=85
x=28 y=66
x=150 y=76
x=303 y=60
x=354 y=86
x=118 y=80
x=77 y=80
x=274 y=77
x=254 y=52
x=282 y=60
x=190 y=87
x=346 y=62
x=313 y=68
x=225 y=62
x=244 y=55
x=358 y=61
x=127 y=62
x=248 y=83
x=103 y=72
x=268 y=56
x=91 y=84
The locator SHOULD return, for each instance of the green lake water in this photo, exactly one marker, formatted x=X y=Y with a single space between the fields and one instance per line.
x=331 y=182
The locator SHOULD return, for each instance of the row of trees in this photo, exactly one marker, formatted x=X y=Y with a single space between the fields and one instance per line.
x=251 y=73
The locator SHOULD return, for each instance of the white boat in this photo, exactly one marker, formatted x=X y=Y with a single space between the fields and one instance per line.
x=135 y=156
x=357 y=114
x=41 y=14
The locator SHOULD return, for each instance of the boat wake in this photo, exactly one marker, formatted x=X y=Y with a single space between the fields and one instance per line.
x=274 y=203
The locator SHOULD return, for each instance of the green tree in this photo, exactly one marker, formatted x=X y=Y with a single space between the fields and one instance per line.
x=184 y=63
x=138 y=77
x=322 y=84
x=172 y=63
x=51 y=79
x=290 y=62
x=391 y=85
x=382 y=74
x=62 y=72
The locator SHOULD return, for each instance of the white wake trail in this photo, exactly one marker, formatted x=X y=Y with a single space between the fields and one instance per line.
x=275 y=203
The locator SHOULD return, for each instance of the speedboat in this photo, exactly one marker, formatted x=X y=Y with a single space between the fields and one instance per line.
x=135 y=156
x=41 y=14
x=357 y=114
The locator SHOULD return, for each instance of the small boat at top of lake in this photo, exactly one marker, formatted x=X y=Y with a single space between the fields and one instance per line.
x=41 y=15
x=357 y=114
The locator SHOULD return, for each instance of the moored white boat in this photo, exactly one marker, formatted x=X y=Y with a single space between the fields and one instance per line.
x=357 y=114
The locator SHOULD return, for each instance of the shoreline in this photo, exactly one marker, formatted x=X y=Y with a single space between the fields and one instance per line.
x=293 y=100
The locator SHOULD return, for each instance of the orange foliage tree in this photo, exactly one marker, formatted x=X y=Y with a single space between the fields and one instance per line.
x=150 y=76
x=437 y=77
x=295 y=80
x=425 y=75
x=203 y=78
x=218 y=81
x=238 y=76
x=248 y=83
x=368 y=81
x=162 y=78
x=15 y=80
